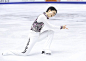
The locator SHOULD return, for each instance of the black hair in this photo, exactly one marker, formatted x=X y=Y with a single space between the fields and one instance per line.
x=51 y=8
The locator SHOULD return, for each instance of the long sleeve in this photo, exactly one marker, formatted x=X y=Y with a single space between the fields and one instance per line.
x=43 y=19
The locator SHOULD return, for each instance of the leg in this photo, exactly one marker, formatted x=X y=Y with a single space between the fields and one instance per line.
x=49 y=34
x=32 y=40
x=30 y=45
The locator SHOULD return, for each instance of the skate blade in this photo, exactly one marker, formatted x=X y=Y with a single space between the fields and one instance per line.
x=46 y=53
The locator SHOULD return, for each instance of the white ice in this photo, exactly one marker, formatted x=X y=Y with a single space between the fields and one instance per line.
x=67 y=45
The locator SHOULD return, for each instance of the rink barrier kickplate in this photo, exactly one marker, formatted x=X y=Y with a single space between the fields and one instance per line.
x=44 y=2
x=52 y=0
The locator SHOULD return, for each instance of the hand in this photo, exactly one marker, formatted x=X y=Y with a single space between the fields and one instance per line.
x=64 y=27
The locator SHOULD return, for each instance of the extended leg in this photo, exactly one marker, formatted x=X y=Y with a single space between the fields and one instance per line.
x=29 y=46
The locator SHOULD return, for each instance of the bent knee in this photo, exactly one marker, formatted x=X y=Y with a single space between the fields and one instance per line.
x=51 y=31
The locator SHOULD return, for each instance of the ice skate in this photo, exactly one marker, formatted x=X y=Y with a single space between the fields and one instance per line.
x=47 y=52
x=7 y=53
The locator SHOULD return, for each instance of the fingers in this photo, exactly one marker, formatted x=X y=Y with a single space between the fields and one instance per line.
x=66 y=28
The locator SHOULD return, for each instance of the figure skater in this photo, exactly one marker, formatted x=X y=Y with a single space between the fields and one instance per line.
x=36 y=35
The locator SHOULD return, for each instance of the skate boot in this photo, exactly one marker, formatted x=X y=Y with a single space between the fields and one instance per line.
x=7 y=53
x=47 y=52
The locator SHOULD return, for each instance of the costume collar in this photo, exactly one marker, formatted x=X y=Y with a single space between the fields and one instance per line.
x=46 y=15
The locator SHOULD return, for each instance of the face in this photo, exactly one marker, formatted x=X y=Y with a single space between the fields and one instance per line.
x=51 y=13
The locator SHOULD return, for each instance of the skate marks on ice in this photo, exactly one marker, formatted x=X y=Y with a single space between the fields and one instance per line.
x=76 y=17
x=80 y=56
x=70 y=43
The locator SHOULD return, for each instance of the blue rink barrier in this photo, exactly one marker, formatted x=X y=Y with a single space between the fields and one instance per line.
x=44 y=2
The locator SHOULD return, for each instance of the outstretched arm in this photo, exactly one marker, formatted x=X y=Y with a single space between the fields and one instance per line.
x=43 y=19
x=53 y=26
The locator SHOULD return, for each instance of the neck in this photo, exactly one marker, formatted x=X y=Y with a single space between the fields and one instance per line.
x=47 y=13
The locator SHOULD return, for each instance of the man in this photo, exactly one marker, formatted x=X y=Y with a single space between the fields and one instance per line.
x=36 y=34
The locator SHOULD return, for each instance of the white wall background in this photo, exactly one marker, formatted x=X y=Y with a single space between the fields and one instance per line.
x=20 y=0
x=24 y=0
x=74 y=0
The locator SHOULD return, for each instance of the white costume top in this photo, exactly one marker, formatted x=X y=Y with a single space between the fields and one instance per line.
x=43 y=19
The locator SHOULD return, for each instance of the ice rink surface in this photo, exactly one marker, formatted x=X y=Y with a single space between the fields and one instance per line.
x=67 y=45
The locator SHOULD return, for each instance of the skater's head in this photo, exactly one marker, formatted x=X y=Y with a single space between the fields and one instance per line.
x=51 y=11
